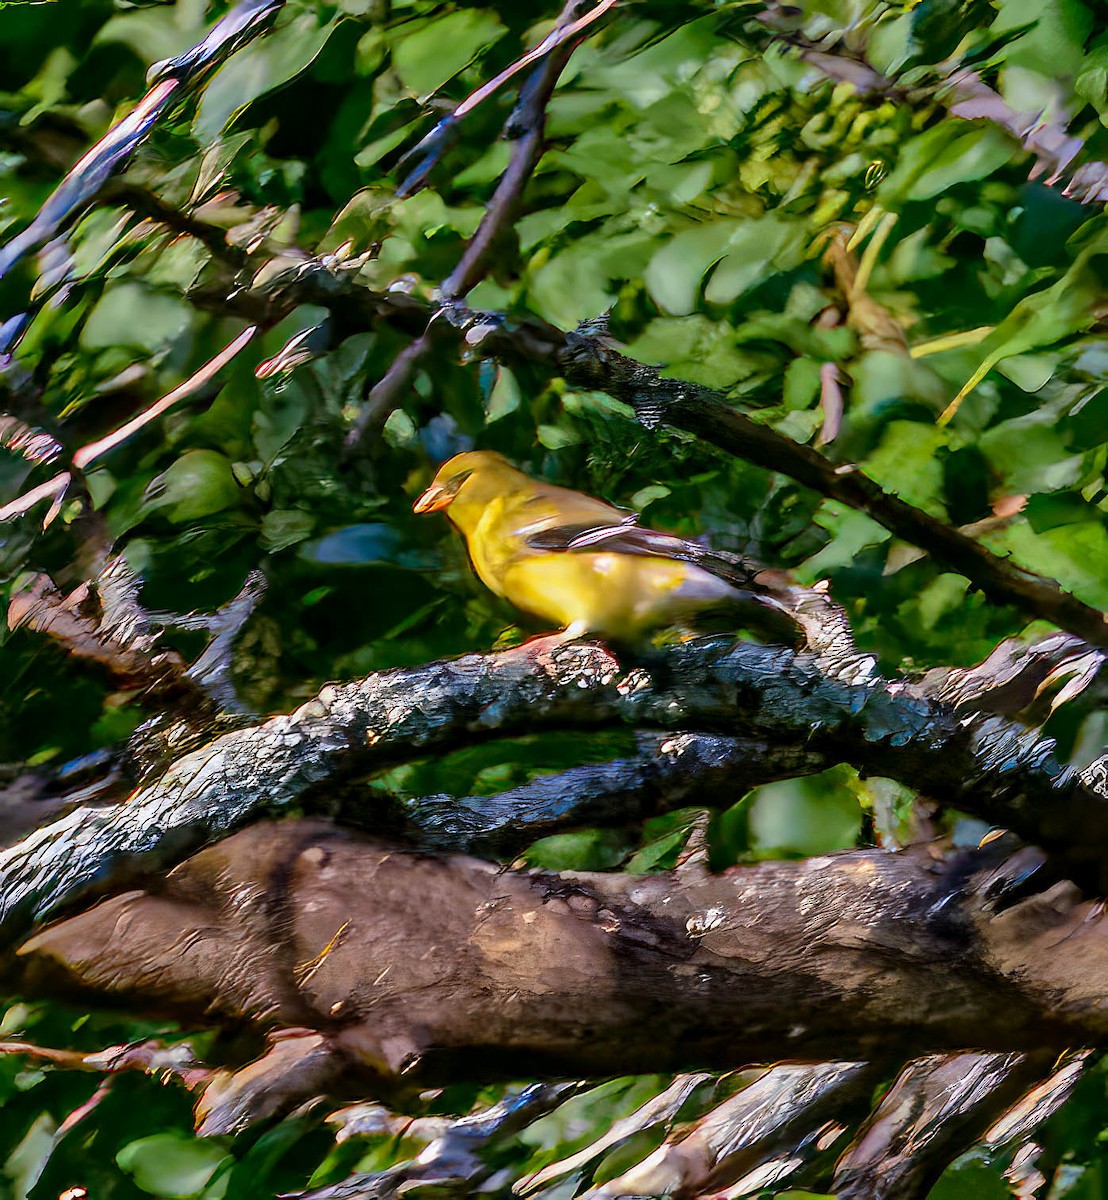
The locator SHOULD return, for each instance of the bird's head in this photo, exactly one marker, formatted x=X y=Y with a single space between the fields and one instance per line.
x=476 y=477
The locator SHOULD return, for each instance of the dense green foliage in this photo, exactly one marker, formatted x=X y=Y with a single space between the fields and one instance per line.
x=698 y=169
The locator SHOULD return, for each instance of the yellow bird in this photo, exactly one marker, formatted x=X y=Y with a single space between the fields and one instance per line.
x=573 y=560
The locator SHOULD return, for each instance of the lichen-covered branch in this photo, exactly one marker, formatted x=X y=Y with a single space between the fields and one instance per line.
x=670 y=770
x=984 y=765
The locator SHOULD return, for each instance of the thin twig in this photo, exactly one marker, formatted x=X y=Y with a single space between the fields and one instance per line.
x=527 y=125
x=561 y=34
x=53 y=489
x=202 y=375
x=148 y=204
x=426 y=153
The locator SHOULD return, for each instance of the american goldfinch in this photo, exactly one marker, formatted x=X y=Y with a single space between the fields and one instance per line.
x=571 y=559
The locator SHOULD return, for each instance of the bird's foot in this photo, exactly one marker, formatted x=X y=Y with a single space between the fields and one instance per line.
x=544 y=648
x=556 y=656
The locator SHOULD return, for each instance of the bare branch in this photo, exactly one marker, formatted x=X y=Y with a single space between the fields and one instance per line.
x=453 y=1159
x=195 y=382
x=574 y=18
x=82 y=183
x=671 y=770
x=295 y=926
x=761 y=1135
x=104 y=622
x=526 y=126
x=938 y=1108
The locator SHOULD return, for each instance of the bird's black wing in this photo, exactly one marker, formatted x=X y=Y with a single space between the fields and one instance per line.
x=628 y=537
x=624 y=537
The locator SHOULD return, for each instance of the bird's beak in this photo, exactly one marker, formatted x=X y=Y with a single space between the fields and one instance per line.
x=434 y=499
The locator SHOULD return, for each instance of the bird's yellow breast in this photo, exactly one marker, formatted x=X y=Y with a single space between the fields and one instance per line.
x=614 y=595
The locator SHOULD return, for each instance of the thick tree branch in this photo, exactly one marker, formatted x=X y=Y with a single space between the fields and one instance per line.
x=863 y=955
x=984 y=765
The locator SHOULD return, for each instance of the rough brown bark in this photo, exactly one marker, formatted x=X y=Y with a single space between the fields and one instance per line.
x=403 y=968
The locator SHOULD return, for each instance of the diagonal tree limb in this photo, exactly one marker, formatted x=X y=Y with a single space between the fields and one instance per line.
x=588 y=361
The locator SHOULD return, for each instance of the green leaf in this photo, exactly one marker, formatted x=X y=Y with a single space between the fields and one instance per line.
x=907 y=464
x=1092 y=81
x=801 y=383
x=284 y=527
x=805 y=816
x=172 y=1164
x=752 y=249
x=259 y=68
x=1073 y=554
x=504 y=397
x=198 y=484
x=1048 y=316
x=427 y=58
x=744 y=251
x=950 y=153
x=1053 y=46
x=132 y=315
x=674 y=274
